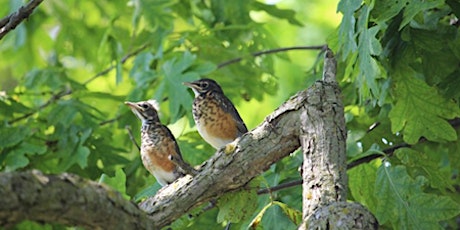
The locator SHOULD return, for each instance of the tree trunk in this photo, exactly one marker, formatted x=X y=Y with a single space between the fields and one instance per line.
x=323 y=140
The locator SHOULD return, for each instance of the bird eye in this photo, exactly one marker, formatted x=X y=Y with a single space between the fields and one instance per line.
x=145 y=106
x=204 y=85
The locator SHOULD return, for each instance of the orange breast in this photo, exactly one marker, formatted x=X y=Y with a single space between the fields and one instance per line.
x=223 y=127
x=154 y=158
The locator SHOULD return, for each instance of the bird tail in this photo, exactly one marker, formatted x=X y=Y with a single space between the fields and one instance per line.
x=186 y=168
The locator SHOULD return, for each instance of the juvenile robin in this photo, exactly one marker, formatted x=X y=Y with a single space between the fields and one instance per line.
x=160 y=153
x=216 y=118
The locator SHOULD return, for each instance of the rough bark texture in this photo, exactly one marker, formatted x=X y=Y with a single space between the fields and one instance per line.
x=10 y=22
x=323 y=144
x=323 y=140
x=66 y=199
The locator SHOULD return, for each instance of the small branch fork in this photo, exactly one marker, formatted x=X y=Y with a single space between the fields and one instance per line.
x=11 y=21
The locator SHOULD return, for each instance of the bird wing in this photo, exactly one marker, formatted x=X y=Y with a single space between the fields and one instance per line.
x=176 y=156
x=230 y=108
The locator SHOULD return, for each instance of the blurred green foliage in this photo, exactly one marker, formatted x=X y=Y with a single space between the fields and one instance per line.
x=66 y=71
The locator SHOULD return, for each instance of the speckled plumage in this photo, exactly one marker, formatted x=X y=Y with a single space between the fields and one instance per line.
x=216 y=118
x=160 y=153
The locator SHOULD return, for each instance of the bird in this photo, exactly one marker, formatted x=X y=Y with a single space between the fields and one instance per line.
x=159 y=151
x=216 y=118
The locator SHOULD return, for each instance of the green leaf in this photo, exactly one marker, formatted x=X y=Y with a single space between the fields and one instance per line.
x=73 y=151
x=386 y=9
x=434 y=208
x=424 y=165
x=141 y=72
x=237 y=206
x=275 y=219
x=204 y=68
x=255 y=223
x=276 y=12
x=63 y=113
x=118 y=182
x=294 y=215
x=369 y=46
x=177 y=71
x=10 y=136
x=402 y=202
x=16 y=158
x=157 y=13
x=50 y=78
x=413 y=7
x=361 y=181
x=347 y=37
x=420 y=110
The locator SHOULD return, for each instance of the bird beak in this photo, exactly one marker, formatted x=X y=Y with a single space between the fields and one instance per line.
x=132 y=105
x=191 y=85
x=136 y=109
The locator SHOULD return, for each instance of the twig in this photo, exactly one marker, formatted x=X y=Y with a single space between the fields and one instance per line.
x=388 y=153
x=53 y=98
x=122 y=61
x=279 y=187
x=11 y=21
x=109 y=121
x=131 y=137
x=68 y=91
x=260 y=53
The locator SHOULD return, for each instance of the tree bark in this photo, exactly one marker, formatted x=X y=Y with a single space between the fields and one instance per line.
x=323 y=140
x=10 y=22
x=66 y=199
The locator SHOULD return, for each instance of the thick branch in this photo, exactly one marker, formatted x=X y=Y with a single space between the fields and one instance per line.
x=66 y=199
x=232 y=167
x=10 y=22
x=72 y=201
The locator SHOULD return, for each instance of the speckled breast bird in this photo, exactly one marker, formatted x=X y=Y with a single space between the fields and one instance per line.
x=159 y=150
x=216 y=118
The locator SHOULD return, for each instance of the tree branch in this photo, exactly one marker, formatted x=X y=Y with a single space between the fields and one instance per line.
x=11 y=21
x=229 y=169
x=66 y=199
x=260 y=53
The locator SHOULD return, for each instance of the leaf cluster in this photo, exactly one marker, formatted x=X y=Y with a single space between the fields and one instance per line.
x=399 y=65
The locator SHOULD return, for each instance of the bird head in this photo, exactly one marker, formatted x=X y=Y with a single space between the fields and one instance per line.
x=204 y=86
x=146 y=111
